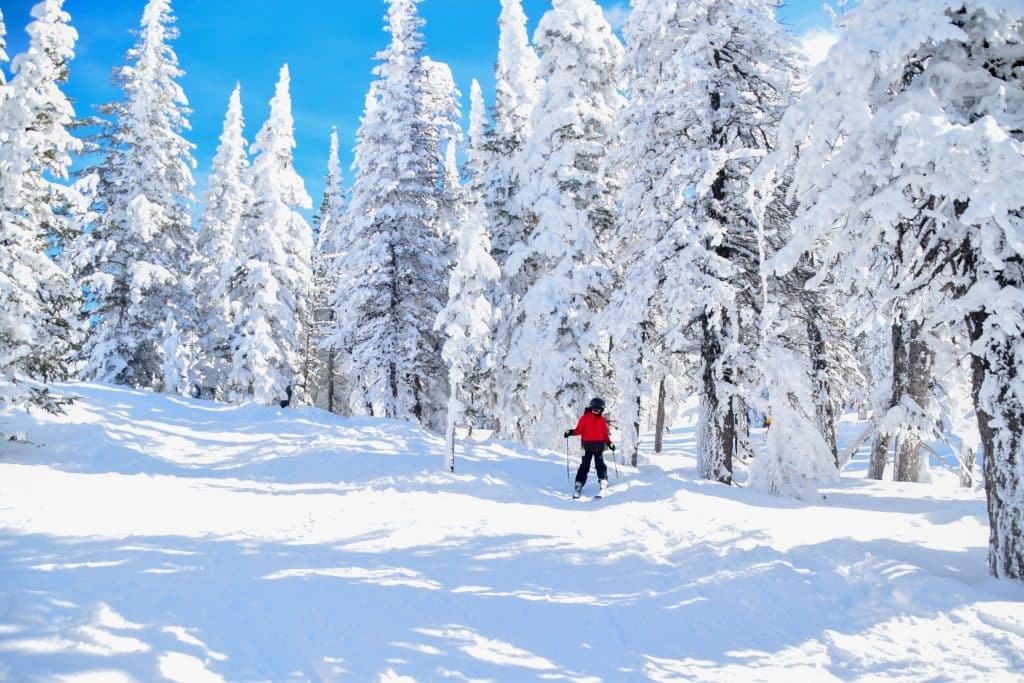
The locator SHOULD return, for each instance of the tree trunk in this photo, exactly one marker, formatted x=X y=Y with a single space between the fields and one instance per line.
x=825 y=411
x=716 y=435
x=1000 y=411
x=879 y=456
x=330 y=381
x=659 y=422
x=967 y=468
x=913 y=372
x=629 y=358
x=743 y=449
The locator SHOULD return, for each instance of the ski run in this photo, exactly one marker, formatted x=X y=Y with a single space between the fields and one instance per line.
x=159 y=538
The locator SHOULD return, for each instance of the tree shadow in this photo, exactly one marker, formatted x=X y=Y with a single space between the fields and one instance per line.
x=488 y=607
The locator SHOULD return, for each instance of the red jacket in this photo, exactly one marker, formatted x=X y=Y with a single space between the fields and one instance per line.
x=592 y=428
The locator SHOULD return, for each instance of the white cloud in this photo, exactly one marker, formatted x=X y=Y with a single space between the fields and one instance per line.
x=617 y=15
x=816 y=44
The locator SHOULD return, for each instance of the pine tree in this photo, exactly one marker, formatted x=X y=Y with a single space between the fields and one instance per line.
x=740 y=63
x=648 y=157
x=270 y=289
x=466 y=320
x=219 y=246
x=38 y=212
x=137 y=259
x=909 y=170
x=3 y=54
x=517 y=86
x=330 y=390
x=393 y=284
x=560 y=265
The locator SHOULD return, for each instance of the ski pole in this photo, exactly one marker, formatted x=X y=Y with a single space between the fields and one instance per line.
x=567 y=478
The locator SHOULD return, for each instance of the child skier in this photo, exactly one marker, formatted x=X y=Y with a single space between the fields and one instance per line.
x=593 y=432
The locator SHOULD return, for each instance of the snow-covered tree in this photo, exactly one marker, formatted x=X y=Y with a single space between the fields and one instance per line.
x=327 y=382
x=38 y=211
x=496 y=179
x=136 y=261
x=517 y=88
x=710 y=80
x=650 y=150
x=219 y=243
x=270 y=289
x=467 y=319
x=394 y=283
x=3 y=53
x=560 y=267
x=909 y=171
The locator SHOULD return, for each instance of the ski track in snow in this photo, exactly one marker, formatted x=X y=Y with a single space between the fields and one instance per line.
x=158 y=538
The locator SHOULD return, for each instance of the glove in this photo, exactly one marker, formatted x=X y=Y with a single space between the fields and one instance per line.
x=568 y=433
x=611 y=446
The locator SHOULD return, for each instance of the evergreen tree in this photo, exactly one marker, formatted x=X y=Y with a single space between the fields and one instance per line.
x=3 y=54
x=909 y=168
x=137 y=259
x=737 y=62
x=517 y=86
x=270 y=289
x=467 y=318
x=328 y=381
x=219 y=245
x=37 y=212
x=560 y=266
x=649 y=157
x=393 y=284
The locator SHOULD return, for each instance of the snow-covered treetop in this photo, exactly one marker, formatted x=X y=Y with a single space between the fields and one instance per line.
x=227 y=194
x=231 y=153
x=3 y=44
x=595 y=58
x=334 y=171
x=404 y=24
x=477 y=116
x=151 y=120
x=40 y=112
x=273 y=172
x=52 y=42
x=440 y=98
x=573 y=123
x=517 y=85
x=153 y=61
x=329 y=220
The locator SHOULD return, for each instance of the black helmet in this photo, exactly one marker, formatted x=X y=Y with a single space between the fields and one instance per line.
x=597 y=404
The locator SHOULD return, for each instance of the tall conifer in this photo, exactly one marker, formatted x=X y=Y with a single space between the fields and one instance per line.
x=137 y=260
x=559 y=269
x=220 y=242
x=38 y=211
x=270 y=289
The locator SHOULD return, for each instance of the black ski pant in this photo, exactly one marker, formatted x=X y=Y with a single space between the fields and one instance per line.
x=592 y=450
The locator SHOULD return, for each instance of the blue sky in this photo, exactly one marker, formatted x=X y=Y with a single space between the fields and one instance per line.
x=328 y=44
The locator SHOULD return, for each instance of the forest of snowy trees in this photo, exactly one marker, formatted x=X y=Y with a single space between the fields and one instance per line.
x=687 y=209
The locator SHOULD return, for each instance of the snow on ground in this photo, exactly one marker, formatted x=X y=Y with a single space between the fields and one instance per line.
x=155 y=538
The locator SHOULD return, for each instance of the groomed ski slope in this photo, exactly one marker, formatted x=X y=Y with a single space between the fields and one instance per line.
x=156 y=538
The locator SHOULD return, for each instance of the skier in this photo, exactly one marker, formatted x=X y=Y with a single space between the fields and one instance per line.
x=593 y=432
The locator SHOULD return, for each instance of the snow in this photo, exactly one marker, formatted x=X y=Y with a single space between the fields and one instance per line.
x=151 y=537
